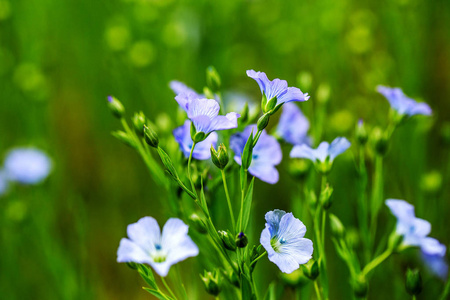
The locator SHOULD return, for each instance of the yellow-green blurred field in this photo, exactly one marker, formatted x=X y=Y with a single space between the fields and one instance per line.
x=59 y=59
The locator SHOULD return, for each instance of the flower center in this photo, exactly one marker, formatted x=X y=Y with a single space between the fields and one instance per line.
x=158 y=255
x=276 y=243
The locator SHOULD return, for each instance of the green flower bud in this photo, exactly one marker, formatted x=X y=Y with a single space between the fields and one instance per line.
x=311 y=269
x=312 y=199
x=241 y=240
x=116 y=107
x=337 y=229
x=299 y=168
x=325 y=197
x=124 y=138
x=151 y=138
x=323 y=93
x=233 y=278
x=360 y=286
x=431 y=182
x=220 y=158
x=245 y=114
x=138 y=123
x=213 y=79
x=361 y=133
x=227 y=240
x=305 y=80
x=380 y=141
x=197 y=137
x=212 y=282
x=413 y=282
x=132 y=265
x=198 y=223
x=263 y=121
x=208 y=93
x=247 y=153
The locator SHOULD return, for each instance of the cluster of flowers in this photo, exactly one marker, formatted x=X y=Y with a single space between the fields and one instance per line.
x=26 y=166
x=283 y=236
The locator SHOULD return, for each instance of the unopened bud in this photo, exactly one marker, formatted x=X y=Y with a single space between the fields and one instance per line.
x=116 y=107
x=212 y=282
x=360 y=286
x=305 y=80
x=233 y=278
x=263 y=122
x=220 y=158
x=323 y=93
x=151 y=138
x=380 y=141
x=361 y=133
x=227 y=240
x=213 y=79
x=325 y=197
x=241 y=240
x=138 y=123
x=124 y=138
x=311 y=269
x=431 y=182
x=337 y=229
x=245 y=114
x=198 y=223
x=413 y=282
x=298 y=168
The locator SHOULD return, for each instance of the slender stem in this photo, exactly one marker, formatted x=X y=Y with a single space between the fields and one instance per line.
x=376 y=261
x=316 y=287
x=242 y=201
x=230 y=207
x=189 y=169
x=446 y=291
x=259 y=257
x=377 y=196
x=323 y=258
x=168 y=288
x=363 y=213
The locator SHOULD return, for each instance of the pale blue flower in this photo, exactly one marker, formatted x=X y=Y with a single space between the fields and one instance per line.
x=204 y=113
x=146 y=244
x=277 y=88
x=433 y=253
x=283 y=239
x=323 y=152
x=293 y=125
x=413 y=229
x=3 y=182
x=202 y=149
x=402 y=103
x=266 y=154
x=179 y=87
x=27 y=165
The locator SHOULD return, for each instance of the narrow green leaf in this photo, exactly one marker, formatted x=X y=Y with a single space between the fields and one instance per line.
x=157 y=294
x=247 y=205
x=270 y=294
x=246 y=285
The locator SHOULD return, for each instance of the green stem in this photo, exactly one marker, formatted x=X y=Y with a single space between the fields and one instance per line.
x=242 y=201
x=316 y=287
x=230 y=207
x=259 y=257
x=377 y=196
x=376 y=261
x=189 y=169
x=168 y=288
x=446 y=291
x=363 y=213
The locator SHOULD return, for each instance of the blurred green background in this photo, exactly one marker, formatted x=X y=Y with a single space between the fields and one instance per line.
x=59 y=59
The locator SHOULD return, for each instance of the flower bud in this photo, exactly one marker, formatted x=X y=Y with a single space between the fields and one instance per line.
x=325 y=197
x=198 y=223
x=413 y=282
x=298 y=168
x=263 y=122
x=197 y=137
x=138 y=123
x=311 y=269
x=220 y=158
x=227 y=240
x=212 y=282
x=232 y=277
x=361 y=133
x=132 y=265
x=360 y=286
x=312 y=199
x=116 y=107
x=151 y=138
x=323 y=93
x=245 y=114
x=213 y=79
x=380 y=141
x=305 y=80
x=337 y=229
x=431 y=182
x=124 y=138
x=241 y=240
x=208 y=93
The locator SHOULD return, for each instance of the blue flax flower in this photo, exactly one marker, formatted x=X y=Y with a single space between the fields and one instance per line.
x=277 y=88
x=402 y=103
x=323 y=152
x=266 y=154
x=293 y=125
x=179 y=87
x=202 y=149
x=283 y=239
x=415 y=233
x=27 y=165
x=204 y=114
x=146 y=244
